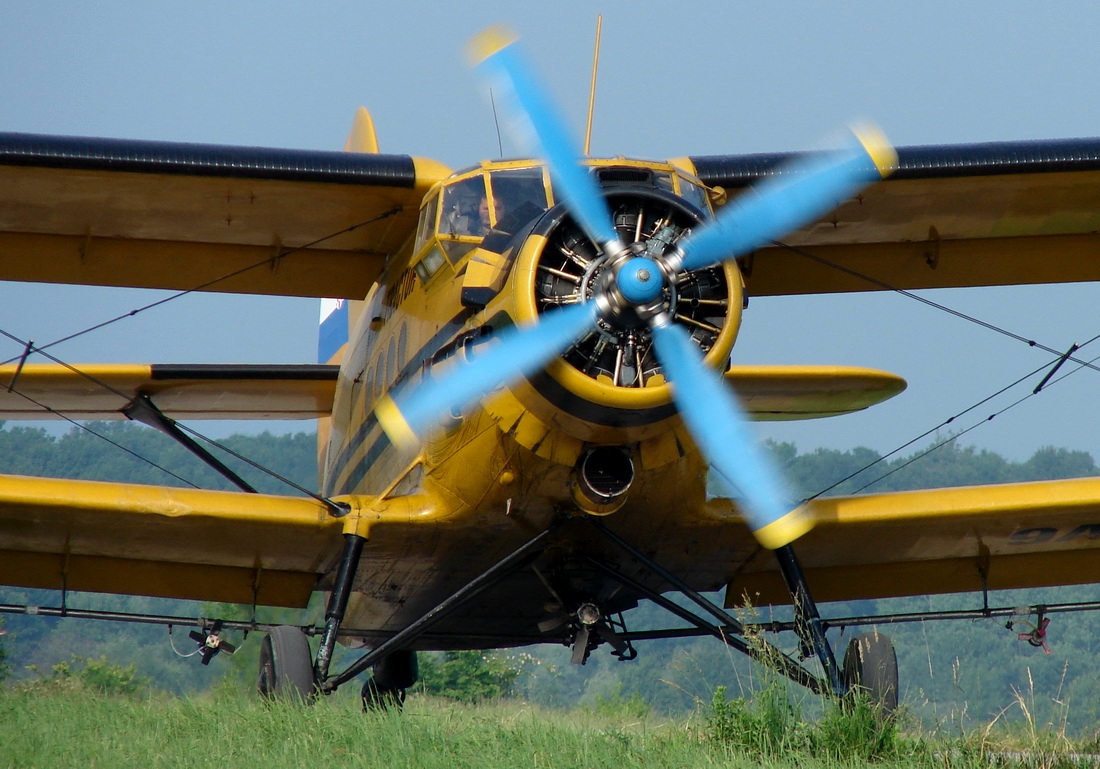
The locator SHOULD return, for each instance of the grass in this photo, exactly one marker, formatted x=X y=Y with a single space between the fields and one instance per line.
x=100 y=719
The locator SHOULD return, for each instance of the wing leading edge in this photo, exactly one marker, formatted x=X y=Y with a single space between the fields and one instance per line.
x=999 y=213
x=180 y=543
x=204 y=217
x=181 y=391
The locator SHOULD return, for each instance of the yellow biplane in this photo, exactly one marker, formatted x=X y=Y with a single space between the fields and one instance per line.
x=524 y=377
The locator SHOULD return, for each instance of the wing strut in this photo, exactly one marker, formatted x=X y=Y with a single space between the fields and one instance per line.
x=401 y=640
x=766 y=653
x=142 y=409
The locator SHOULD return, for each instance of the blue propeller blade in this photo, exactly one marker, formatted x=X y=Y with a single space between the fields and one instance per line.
x=519 y=351
x=719 y=426
x=801 y=192
x=496 y=55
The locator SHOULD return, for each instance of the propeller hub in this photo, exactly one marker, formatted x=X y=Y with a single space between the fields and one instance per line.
x=640 y=281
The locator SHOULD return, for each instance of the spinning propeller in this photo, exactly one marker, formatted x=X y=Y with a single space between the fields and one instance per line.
x=638 y=282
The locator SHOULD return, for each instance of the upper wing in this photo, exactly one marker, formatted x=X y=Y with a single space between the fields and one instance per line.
x=1007 y=536
x=954 y=215
x=181 y=391
x=204 y=217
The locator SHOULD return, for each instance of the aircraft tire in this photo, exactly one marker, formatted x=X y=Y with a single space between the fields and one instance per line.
x=286 y=665
x=871 y=665
x=390 y=680
x=376 y=697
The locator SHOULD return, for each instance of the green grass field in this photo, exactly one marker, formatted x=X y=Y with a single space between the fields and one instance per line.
x=73 y=722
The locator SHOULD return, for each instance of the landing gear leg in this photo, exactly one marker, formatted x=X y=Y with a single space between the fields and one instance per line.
x=808 y=624
x=338 y=604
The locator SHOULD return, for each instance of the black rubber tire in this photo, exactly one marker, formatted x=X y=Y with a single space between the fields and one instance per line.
x=378 y=698
x=286 y=665
x=397 y=670
x=390 y=680
x=871 y=666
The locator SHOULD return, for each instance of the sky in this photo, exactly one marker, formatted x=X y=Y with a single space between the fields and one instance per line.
x=708 y=77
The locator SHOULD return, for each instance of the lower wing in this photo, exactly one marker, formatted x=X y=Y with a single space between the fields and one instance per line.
x=1023 y=535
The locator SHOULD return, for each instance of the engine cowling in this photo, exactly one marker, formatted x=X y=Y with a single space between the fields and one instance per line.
x=609 y=387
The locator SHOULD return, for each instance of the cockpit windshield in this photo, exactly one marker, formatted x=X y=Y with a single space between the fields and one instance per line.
x=476 y=204
x=506 y=196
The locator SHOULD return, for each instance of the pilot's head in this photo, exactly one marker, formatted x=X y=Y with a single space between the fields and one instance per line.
x=483 y=211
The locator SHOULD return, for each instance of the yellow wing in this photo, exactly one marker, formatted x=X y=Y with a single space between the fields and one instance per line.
x=181 y=391
x=180 y=543
x=942 y=541
x=192 y=216
x=957 y=215
x=772 y=393
x=176 y=543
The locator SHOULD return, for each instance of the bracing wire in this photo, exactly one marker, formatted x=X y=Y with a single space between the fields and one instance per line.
x=210 y=283
x=1062 y=357
x=30 y=347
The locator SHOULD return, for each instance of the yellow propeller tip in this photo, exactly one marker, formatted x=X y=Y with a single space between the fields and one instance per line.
x=874 y=141
x=785 y=530
x=395 y=425
x=485 y=44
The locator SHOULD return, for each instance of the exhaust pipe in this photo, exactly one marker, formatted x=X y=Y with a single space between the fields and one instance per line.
x=602 y=478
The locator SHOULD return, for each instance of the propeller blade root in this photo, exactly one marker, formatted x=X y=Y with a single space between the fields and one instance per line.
x=495 y=54
x=720 y=428
x=519 y=351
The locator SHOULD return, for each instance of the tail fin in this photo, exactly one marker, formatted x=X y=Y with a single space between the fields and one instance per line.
x=362 y=137
x=333 y=335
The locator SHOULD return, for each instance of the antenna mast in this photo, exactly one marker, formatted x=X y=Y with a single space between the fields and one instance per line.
x=592 y=89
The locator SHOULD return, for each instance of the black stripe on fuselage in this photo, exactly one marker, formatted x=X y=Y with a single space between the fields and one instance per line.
x=439 y=340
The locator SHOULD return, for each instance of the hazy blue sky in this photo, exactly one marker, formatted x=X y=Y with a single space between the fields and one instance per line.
x=685 y=78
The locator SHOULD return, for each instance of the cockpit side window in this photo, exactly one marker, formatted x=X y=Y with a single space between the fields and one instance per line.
x=426 y=228
x=694 y=194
